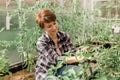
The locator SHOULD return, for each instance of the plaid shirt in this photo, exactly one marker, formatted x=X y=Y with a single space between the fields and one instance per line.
x=48 y=54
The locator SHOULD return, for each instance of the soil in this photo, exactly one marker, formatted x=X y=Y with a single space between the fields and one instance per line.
x=21 y=75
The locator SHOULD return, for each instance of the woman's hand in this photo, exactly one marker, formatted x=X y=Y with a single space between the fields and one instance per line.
x=73 y=59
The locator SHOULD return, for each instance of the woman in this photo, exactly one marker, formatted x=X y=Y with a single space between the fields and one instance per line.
x=52 y=44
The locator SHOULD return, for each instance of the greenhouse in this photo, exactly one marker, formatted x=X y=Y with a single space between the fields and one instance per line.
x=92 y=27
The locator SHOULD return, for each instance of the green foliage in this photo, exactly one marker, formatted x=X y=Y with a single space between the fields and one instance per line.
x=4 y=63
x=107 y=68
x=80 y=74
x=7 y=44
x=109 y=63
x=53 y=69
x=69 y=23
x=26 y=43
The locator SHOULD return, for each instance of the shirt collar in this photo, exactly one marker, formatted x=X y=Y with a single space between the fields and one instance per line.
x=49 y=39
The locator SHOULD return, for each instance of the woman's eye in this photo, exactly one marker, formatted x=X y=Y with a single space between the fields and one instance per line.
x=55 y=23
x=49 y=26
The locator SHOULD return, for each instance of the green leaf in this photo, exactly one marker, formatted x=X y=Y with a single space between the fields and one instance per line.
x=65 y=78
x=87 y=55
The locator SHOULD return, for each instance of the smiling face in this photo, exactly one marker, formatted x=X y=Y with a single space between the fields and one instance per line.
x=51 y=28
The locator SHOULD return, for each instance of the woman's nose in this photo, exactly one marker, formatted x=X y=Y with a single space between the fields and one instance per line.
x=54 y=26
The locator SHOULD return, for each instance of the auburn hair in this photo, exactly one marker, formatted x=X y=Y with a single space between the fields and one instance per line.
x=45 y=16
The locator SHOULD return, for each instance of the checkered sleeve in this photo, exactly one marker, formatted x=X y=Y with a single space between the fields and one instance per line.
x=45 y=50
